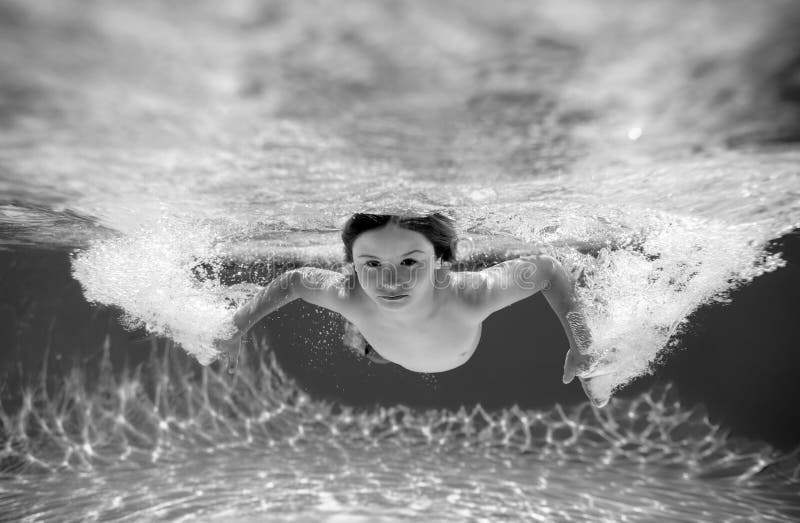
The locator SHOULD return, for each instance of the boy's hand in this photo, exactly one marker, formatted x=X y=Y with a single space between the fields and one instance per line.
x=597 y=399
x=230 y=349
x=576 y=364
x=588 y=368
x=579 y=359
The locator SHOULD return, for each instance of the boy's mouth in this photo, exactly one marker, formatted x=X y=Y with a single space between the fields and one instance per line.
x=394 y=297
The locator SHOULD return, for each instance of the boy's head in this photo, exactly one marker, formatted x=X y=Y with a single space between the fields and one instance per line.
x=435 y=227
x=395 y=257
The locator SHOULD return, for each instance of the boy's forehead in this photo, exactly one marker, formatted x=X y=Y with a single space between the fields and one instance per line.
x=391 y=240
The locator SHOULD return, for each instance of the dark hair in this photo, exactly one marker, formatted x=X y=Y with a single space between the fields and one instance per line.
x=436 y=227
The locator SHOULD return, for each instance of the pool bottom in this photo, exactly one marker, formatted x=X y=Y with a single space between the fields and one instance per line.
x=208 y=444
x=385 y=481
x=222 y=447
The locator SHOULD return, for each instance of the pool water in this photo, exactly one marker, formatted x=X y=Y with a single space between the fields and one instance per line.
x=159 y=162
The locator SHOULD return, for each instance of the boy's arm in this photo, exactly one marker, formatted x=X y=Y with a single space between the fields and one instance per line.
x=273 y=296
x=276 y=294
x=560 y=294
x=506 y=283
x=317 y=286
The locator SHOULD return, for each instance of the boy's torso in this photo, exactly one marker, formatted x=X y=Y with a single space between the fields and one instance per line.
x=440 y=342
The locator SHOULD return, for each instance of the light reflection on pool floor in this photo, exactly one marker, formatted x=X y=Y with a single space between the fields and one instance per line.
x=243 y=448
x=388 y=481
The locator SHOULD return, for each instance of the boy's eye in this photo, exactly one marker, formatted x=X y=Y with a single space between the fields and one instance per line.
x=409 y=261
x=372 y=263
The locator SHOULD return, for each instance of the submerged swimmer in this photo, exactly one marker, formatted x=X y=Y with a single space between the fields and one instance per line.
x=409 y=306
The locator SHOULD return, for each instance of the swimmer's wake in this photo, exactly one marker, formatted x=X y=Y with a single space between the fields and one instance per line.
x=631 y=300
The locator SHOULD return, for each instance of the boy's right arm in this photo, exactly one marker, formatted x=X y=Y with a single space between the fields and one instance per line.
x=320 y=287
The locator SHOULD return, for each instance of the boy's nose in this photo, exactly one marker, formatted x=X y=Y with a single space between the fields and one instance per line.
x=393 y=278
x=389 y=277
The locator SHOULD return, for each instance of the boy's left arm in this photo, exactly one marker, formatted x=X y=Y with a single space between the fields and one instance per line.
x=559 y=290
x=505 y=283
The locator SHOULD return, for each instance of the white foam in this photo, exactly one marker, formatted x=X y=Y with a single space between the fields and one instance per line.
x=644 y=271
x=638 y=297
x=149 y=275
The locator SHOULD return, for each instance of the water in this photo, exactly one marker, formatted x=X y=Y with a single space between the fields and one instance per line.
x=186 y=152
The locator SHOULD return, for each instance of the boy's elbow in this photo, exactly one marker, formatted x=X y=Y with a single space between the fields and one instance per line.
x=284 y=288
x=292 y=284
x=548 y=264
x=551 y=276
x=541 y=270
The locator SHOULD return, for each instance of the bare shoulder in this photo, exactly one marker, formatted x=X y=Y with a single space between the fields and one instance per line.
x=466 y=286
x=493 y=288
x=325 y=288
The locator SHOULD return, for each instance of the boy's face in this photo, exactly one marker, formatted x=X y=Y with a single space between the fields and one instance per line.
x=395 y=266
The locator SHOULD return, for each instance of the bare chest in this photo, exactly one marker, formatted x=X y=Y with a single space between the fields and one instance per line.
x=436 y=346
